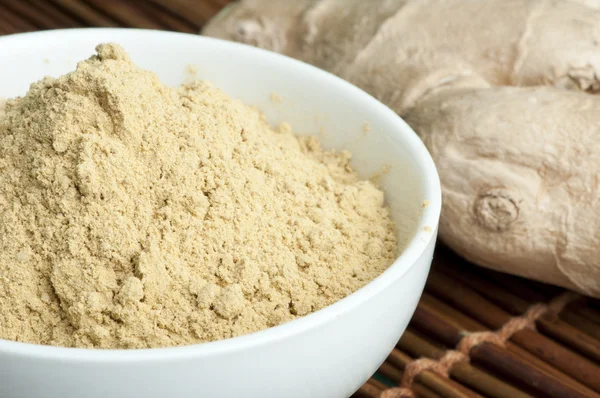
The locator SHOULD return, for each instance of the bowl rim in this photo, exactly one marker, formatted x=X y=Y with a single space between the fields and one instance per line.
x=425 y=233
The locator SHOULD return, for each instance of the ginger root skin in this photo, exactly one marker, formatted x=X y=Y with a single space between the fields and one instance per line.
x=499 y=91
x=521 y=179
x=385 y=46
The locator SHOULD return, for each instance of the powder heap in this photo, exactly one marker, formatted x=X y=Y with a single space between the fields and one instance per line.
x=137 y=215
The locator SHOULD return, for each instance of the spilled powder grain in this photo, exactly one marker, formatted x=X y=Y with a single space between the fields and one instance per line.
x=137 y=215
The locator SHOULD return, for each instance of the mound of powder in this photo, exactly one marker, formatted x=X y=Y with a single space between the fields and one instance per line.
x=137 y=215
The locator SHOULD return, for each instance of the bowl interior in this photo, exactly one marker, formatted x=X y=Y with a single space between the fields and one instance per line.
x=312 y=101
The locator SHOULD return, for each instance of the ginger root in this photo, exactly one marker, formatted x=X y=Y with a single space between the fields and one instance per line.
x=521 y=175
x=499 y=91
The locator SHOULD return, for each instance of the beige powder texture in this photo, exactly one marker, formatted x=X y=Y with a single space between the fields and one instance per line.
x=136 y=215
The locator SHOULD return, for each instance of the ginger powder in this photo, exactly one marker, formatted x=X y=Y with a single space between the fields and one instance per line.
x=136 y=215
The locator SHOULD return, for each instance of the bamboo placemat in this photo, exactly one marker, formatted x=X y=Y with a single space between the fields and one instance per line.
x=552 y=352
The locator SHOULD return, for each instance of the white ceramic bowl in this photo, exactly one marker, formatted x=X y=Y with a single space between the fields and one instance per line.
x=329 y=353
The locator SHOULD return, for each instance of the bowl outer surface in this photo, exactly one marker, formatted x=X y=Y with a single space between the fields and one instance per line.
x=327 y=354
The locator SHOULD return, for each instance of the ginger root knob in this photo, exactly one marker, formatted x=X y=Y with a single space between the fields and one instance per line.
x=496 y=209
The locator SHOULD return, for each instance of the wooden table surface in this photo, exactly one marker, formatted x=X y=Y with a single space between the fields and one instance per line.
x=559 y=357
